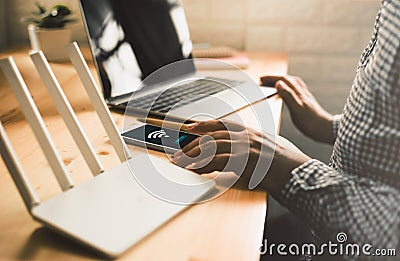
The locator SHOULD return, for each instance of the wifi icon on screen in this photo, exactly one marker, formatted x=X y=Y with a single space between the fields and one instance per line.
x=158 y=134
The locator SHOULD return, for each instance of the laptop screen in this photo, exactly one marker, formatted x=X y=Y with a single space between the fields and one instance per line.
x=130 y=39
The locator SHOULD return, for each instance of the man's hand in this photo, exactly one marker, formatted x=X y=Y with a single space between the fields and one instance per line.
x=307 y=114
x=229 y=146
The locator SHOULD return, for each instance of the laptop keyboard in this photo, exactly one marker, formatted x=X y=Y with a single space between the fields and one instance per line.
x=182 y=94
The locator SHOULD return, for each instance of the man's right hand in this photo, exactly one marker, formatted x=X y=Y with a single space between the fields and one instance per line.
x=307 y=114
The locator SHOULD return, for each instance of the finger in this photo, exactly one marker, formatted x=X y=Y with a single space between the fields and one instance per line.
x=301 y=82
x=305 y=90
x=270 y=80
x=214 y=125
x=217 y=147
x=217 y=135
x=294 y=84
x=204 y=151
x=208 y=165
x=288 y=95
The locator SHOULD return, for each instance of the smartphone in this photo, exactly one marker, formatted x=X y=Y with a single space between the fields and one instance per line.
x=157 y=138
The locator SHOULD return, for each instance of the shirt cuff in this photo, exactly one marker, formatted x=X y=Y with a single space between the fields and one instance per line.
x=335 y=124
x=309 y=176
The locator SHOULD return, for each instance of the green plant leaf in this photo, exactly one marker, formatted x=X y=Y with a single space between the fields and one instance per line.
x=62 y=9
x=41 y=8
x=57 y=17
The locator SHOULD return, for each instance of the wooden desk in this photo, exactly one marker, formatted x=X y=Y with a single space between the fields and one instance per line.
x=227 y=228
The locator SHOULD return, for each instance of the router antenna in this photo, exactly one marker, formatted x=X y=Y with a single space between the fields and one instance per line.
x=32 y=115
x=99 y=105
x=66 y=111
x=14 y=166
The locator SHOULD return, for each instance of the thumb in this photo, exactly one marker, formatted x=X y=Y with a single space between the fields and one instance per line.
x=288 y=95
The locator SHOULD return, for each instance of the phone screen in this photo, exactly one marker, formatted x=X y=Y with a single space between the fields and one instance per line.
x=161 y=137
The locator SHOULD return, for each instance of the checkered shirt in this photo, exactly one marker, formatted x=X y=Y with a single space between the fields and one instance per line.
x=359 y=192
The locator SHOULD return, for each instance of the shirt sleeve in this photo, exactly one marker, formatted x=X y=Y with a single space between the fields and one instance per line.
x=335 y=125
x=332 y=202
x=383 y=69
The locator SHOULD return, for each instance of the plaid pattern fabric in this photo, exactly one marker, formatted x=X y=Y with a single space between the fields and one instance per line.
x=359 y=192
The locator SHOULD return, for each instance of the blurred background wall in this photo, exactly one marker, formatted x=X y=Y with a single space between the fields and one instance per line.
x=3 y=24
x=323 y=38
x=15 y=30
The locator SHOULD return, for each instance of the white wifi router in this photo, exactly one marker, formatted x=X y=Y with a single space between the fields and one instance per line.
x=112 y=211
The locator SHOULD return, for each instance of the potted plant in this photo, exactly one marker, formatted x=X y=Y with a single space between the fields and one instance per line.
x=47 y=30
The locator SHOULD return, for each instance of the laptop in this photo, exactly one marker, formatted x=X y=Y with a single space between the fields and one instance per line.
x=132 y=40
